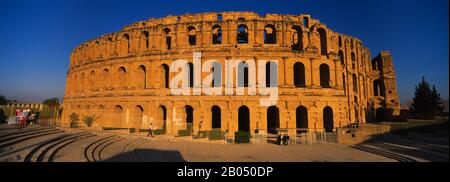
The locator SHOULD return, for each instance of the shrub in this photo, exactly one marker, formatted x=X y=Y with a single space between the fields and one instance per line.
x=158 y=132
x=216 y=134
x=74 y=117
x=132 y=130
x=242 y=137
x=184 y=133
x=88 y=120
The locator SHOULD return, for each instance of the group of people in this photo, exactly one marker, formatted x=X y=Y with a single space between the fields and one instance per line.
x=26 y=117
x=283 y=139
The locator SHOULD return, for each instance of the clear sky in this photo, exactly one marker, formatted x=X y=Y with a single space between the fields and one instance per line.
x=37 y=37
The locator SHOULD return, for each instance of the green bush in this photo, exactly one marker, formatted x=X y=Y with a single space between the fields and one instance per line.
x=158 y=132
x=216 y=134
x=113 y=128
x=184 y=133
x=132 y=130
x=242 y=137
x=74 y=117
x=88 y=120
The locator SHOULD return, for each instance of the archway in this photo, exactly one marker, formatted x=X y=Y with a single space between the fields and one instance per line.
x=216 y=117
x=328 y=122
x=244 y=119
x=299 y=75
x=189 y=116
x=324 y=76
x=162 y=117
x=273 y=119
x=138 y=116
x=301 y=117
x=380 y=115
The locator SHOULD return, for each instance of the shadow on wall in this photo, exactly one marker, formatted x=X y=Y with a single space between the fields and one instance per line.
x=147 y=155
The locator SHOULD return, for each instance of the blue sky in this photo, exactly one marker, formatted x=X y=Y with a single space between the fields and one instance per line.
x=37 y=37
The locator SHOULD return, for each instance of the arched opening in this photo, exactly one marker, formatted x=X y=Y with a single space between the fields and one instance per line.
x=91 y=80
x=323 y=41
x=243 y=74
x=270 y=34
x=377 y=88
x=105 y=77
x=216 y=34
x=191 y=74
x=168 y=38
x=141 y=77
x=162 y=117
x=164 y=76
x=217 y=74
x=343 y=83
x=299 y=75
x=189 y=116
x=328 y=122
x=301 y=118
x=340 y=41
x=125 y=44
x=144 y=40
x=353 y=60
x=341 y=57
x=242 y=34
x=297 y=38
x=244 y=119
x=273 y=119
x=138 y=115
x=324 y=76
x=192 y=33
x=355 y=83
x=118 y=114
x=380 y=115
x=122 y=76
x=271 y=74
x=216 y=117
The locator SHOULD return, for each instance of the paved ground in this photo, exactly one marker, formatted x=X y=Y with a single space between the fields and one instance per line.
x=49 y=144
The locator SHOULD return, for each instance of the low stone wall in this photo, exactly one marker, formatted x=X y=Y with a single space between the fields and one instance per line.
x=362 y=133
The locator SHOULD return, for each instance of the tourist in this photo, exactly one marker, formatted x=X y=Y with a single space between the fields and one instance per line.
x=36 y=117
x=287 y=139
x=284 y=139
x=279 y=139
x=150 y=130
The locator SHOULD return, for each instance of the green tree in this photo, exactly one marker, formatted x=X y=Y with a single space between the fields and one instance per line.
x=3 y=100
x=436 y=101
x=54 y=104
x=426 y=101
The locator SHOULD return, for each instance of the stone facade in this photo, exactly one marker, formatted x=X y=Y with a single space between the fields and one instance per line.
x=325 y=79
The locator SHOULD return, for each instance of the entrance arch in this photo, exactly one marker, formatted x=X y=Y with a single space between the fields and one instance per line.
x=216 y=117
x=138 y=116
x=328 y=122
x=273 y=119
x=244 y=119
x=189 y=116
x=162 y=117
x=301 y=116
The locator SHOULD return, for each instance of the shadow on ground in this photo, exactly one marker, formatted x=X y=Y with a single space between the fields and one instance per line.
x=147 y=155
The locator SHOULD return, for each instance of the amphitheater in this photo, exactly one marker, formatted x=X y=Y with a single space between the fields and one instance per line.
x=324 y=79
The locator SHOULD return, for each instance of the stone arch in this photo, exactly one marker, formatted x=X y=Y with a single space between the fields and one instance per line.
x=164 y=75
x=324 y=75
x=168 y=38
x=192 y=35
x=339 y=41
x=105 y=77
x=299 y=75
x=270 y=34
x=328 y=122
x=341 y=57
x=271 y=71
x=244 y=119
x=91 y=80
x=122 y=77
x=217 y=74
x=216 y=34
x=301 y=117
x=242 y=34
x=141 y=77
x=189 y=116
x=297 y=38
x=355 y=83
x=242 y=74
x=124 y=47
x=161 y=118
x=216 y=117
x=273 y=119
x=323 y=41
x=138 y=116
x=118 y=115
x=144 y=40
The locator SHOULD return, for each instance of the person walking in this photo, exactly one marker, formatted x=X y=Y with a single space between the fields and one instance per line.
x=287 y=139
x=279 y=139
x=150 y=130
